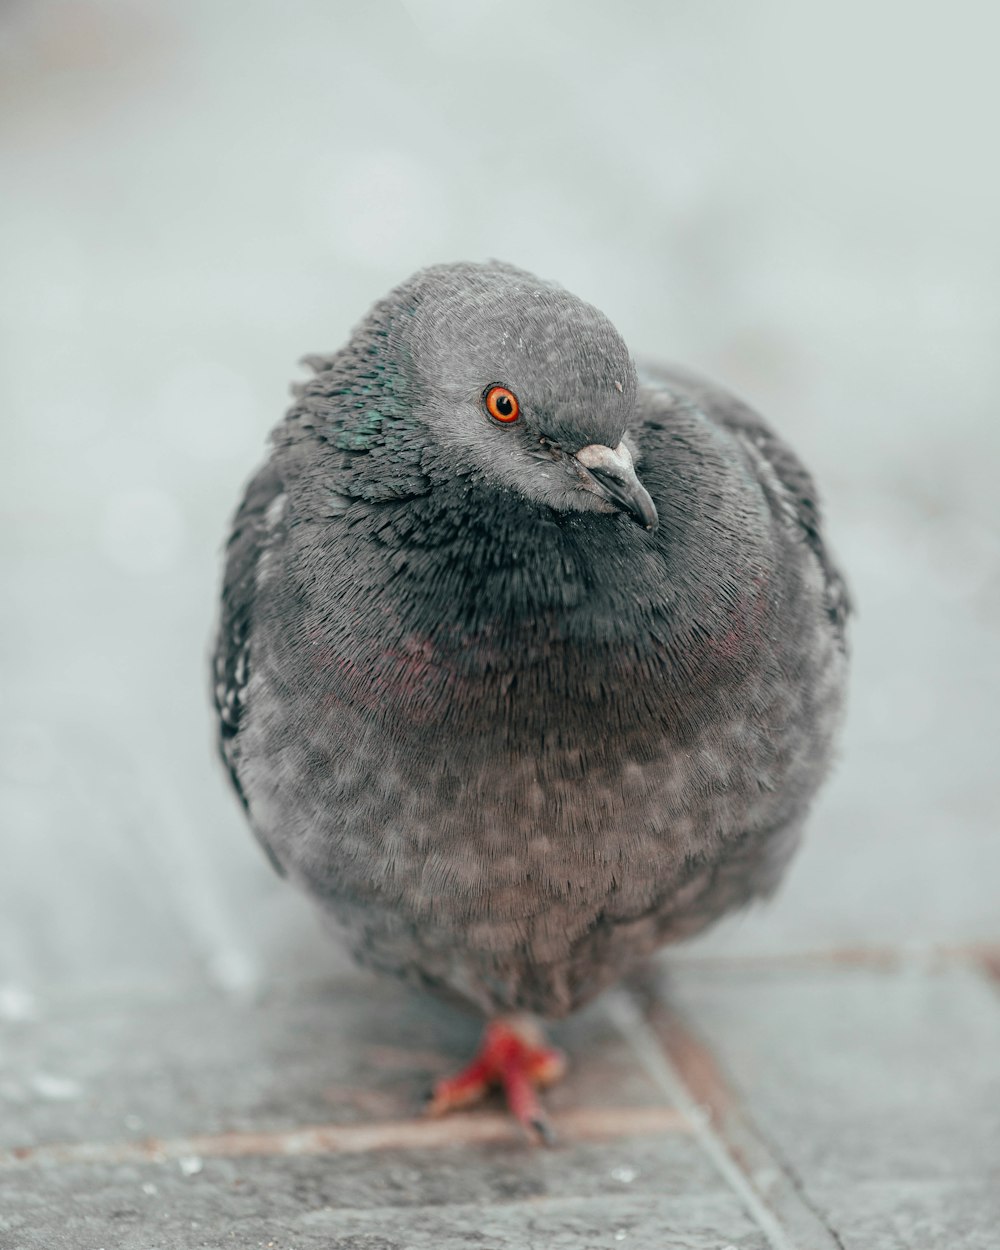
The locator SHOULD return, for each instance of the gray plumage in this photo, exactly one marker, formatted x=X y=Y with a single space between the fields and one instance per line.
x=511 y=740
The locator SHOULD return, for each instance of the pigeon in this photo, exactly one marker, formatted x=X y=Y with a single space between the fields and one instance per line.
x=530 y=659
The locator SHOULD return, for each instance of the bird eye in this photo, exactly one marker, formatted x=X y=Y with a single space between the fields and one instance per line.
x=501 y=404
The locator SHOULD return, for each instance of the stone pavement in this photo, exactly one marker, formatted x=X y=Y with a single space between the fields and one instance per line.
x=792 y=198
x=848 y=1101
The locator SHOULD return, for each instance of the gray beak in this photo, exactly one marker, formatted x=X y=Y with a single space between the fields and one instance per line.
x=610 y=473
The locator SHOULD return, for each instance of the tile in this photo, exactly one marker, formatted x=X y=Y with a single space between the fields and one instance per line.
x=346 y=1052
x=148 y=1149
x=307 y=1204
x=915 y=1215
x=858 y=1074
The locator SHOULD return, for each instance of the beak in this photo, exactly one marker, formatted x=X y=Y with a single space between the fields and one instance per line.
x=610 y=473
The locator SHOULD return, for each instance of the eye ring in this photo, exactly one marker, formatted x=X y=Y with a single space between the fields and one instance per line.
x=502 y=404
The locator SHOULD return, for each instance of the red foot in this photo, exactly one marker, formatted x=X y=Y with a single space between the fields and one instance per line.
x=512 y=1054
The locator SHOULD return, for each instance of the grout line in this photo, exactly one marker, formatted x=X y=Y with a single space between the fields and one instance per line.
x=988 y=960
x=470 y=1128
x=924 y=956
x=638 y=1034
x=774 y=1177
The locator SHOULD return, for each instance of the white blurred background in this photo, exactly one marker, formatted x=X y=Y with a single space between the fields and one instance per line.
x=800 y=200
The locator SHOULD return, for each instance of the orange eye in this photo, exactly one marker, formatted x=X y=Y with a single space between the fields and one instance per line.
x=502 y=404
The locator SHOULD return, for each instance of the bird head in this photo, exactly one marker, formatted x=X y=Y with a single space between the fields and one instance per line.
x=519 y=382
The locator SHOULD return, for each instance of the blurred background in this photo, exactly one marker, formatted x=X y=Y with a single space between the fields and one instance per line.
x=798 y=200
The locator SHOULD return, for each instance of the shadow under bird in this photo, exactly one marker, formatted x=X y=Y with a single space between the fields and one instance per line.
x=529 y=662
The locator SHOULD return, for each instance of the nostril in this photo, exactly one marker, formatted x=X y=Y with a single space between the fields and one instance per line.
x=611 y=472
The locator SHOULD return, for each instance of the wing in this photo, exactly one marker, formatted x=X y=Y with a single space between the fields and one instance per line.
x=255 y=528
x=775 y=460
